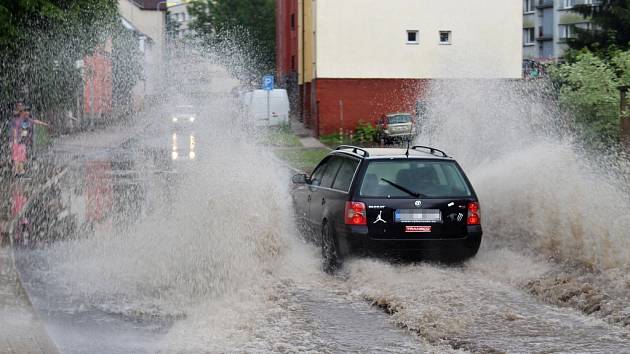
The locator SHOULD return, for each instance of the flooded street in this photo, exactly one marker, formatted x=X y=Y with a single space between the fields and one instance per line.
x=151 y=202
x=159 y=252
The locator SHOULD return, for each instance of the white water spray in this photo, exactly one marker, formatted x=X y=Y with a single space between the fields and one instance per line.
x=537 y=191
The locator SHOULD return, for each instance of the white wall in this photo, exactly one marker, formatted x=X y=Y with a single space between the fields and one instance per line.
x=152 y=24
x=149 y=22
x=367 y=38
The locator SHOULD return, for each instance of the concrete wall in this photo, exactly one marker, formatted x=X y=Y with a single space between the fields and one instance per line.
x=368 y=39
x=152 y=24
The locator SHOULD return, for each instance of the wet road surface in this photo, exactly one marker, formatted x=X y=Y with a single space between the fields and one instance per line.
x=157 y=249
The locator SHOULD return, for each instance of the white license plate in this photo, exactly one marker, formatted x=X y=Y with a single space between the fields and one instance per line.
x=418 y=216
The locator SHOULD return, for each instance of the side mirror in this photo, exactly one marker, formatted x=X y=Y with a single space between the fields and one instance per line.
x=300 y=179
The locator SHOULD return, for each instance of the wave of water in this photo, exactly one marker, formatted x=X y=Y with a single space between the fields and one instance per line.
x=538 y=190
x=224 y=229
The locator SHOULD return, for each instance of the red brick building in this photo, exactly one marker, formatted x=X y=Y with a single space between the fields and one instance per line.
x=355 y=60
x=97 y=90
x=287 y=49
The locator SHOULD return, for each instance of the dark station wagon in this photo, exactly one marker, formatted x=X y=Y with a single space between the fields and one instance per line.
x=403 y=202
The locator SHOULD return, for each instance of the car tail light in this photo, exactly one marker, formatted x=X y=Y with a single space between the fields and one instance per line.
x=355 y=213
x=473 y=214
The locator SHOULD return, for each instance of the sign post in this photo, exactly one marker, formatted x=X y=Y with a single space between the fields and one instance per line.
x=267 y=85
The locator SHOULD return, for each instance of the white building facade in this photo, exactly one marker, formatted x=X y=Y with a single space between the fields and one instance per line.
x=419 y=39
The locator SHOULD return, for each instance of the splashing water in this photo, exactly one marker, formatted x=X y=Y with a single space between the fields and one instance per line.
x=538 y=191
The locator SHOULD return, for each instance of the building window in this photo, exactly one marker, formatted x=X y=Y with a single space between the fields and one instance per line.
x=568 y=3
x=292 y=22
x=445 y=37
x=566 y=31
x=528 y=6
x=529 y=36
x=413 y=37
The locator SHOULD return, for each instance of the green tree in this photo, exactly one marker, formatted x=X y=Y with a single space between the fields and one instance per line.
x=589 y=90
x=610 y=27
x=126 y=65
x=40 y=42
x=238 y=30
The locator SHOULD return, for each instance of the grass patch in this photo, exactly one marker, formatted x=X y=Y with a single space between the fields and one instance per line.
x=282 y=136
x=334 y=140
x=303 y=159
x=42 y=138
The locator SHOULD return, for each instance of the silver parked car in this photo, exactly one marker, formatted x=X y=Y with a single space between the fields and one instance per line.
x=396 y=126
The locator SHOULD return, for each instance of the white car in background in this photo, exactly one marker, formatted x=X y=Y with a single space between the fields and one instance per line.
x=267 y=108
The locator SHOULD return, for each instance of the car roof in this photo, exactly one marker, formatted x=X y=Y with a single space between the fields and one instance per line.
x=396 y=153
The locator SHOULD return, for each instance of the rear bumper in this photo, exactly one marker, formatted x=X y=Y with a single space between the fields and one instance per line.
x=400 y=135
x=359 y=242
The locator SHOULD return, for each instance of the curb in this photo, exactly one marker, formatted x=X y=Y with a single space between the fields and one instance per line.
x=11 y=229
x=12 y=225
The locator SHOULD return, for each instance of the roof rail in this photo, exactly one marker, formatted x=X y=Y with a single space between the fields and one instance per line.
x=354 y=149
x=432 y=150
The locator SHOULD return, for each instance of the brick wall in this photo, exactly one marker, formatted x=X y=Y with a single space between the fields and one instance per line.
x=361 y=100
x=286 y=38
x=97 y=91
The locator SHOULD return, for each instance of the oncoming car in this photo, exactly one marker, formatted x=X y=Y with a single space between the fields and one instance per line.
x=184 y=114
x=407 y=202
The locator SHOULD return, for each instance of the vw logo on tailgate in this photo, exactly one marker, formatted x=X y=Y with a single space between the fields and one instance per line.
x=418 y=203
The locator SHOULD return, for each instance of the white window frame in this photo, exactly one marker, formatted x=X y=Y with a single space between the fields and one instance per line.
x=568 y=4
x=566 y=31
x=417 y=41
x=528 y=38
x=529 y=9
x=450 y=37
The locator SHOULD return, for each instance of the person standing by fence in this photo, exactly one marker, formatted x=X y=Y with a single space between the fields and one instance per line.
x=21 y=140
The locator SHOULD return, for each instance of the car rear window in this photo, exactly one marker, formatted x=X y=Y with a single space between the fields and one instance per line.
x=414 y=178
x=399 y=119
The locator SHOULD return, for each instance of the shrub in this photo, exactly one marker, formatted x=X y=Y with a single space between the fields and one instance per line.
x=365 y=133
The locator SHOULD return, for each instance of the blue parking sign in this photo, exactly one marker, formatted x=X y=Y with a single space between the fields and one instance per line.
x=267 y=82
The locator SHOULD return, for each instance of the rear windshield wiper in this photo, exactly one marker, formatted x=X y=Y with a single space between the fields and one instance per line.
x=398 y=186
